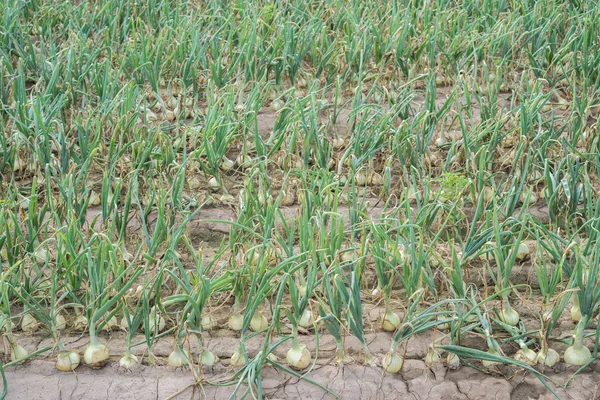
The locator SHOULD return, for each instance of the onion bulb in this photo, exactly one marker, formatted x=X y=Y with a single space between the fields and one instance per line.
x=214 y=184
x=227 y=164
x=376 y=179
x=156 y=323
x=577 y=354
x=338 y=142
x=236 y=321
x=376 y=293
x=392 y=362
x=178 y=357
x=238 y=359
x=487 y=363
x=361 y=178
x=306 y=319
x=390 y=321
x=17 y=352
x=508 y=315
x=29 y=323
x=243 y=160
x=41 y=255
x=523 y=251
x=526 y=356
x=194 y=183
x=67 y=360
x=110 y=323
x=94 y=199
x=432 y=358
x=207 y=358
x=128 y=360
x=60 y=321
x=208 y=322
x=81 y=322
x=95 y=354
x=258 y=321
x=301 y=290
x=452 y=361
x=298 y=356
x=547 y=357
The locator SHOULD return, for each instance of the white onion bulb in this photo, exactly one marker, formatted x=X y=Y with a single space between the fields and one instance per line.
x=390 y=321
x=96 y=354
x=67 y=361
x=298 y=357
x=307 y=319
x=208 y=322
x=178 y=357
x=128 y=360
x=392 y=362
x=236 y=321
x=258 y=322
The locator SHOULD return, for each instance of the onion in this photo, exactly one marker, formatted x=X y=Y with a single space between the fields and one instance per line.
x=67 y=360
x=432 y=358
x=376 y=179
x=60 y=321
x=110 y=324
x=94 y=199
x=287 y=198
x=526 y=356
x=128 y=360
x=244 y=160
x=301 y=290
x=41 y=255
x=258 y=321
x=508 y=315
x=95 y=354
x=238 y=359
x=81 y=322
x=29 y=323
x=452 y=361
x=214 y=184
x=523 y=251
x=376 y=293
x=547 y=357
x=208 y=322
x=227 y=164
x=338 y=142
x=306 y=319
x=487 y=363
x=17 y=352
x=361 y=178
x=207 y=358
x=488 y=194
x=194 y=183
x=178 y=357
x=236 y=321
x=298 y=356
x=392 y=362
x=277 y=105
x=19 y=164
x=154 y=325
x=577 y=354
x=390 y=321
